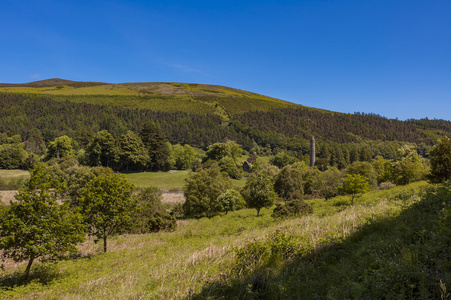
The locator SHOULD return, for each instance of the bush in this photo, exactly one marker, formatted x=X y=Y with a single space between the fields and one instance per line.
x=386 y=185
x=293 y=208
x=152 y=217
x=161 y=220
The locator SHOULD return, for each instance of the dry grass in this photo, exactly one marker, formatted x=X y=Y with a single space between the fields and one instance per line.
x=7 y=196
x=174 y=265
x=173 y=198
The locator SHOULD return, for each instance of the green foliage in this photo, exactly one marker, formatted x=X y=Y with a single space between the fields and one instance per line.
x=259 y=191
x=60 y=147
x=292 y=208
x=283 y=159
x=366 y=169
x=309 y=176
x=202 y=189
x=408 y=166
x=155 y=143
x=227 y=164
x=12 y=156
x=161 y=220
x=381 y=167
x=132 y=153
x=217 y=151
x=79 y=176
x=230 y=200
x=102 y=150
x=289 y=182
x=326 y=183
x=151 y=215
x=440 y=156
x=353 y=185
x=37 y=225
x=107 y=205
x=183 y=157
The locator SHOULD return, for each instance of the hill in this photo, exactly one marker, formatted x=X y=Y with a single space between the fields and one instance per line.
x=199 y=114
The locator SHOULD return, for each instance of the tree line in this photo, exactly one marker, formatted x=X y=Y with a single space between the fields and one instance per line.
x=99 y=202
x=341 y=138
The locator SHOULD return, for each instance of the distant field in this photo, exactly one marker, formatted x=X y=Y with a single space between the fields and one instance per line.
x=173 y=180
x=10 y=174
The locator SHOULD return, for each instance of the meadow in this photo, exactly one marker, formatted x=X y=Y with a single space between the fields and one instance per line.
x=241 y=256
x=167 y=181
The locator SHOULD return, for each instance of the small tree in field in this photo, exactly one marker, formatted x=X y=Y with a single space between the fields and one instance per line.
x=259 y=192
x=353 y=185
x=107 y=205
x=37 y=225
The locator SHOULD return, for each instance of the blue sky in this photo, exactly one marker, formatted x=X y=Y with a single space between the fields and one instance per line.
x=387 y=57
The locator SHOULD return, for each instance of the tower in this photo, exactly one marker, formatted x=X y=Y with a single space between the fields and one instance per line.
x=312 y=152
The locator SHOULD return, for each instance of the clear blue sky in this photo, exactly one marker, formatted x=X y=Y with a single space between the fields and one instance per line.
x=388 y=57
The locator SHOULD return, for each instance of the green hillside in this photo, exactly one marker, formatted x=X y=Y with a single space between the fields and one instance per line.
x=199 y=115
x=159 y=96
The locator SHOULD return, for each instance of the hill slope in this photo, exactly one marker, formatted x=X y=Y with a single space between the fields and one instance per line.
x=199 y=115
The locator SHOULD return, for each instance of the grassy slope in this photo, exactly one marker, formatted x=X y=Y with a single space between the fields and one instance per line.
x=198 y=257
x=196 y=98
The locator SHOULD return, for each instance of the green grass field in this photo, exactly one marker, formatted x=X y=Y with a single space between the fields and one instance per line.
x=172 y=180
x=200 y=259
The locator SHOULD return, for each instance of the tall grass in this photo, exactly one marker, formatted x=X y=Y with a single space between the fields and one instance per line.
x=199 y=259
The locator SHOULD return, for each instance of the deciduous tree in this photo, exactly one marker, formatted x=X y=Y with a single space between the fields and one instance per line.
x=202 y=189
x=289 y=182
x=102 y=150
x=60 y=147
x=37 y=225
x=107 y=205
x=132 y=153
x=327 y=182
x=353 y=185
x=259 y=191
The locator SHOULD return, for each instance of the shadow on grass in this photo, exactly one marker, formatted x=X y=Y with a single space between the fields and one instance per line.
x=406 y=257
x=44 y=272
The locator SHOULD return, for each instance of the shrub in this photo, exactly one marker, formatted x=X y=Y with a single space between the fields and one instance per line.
x=293 y=208
x=386 y=185
x=151 y=216
x=161 y=220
